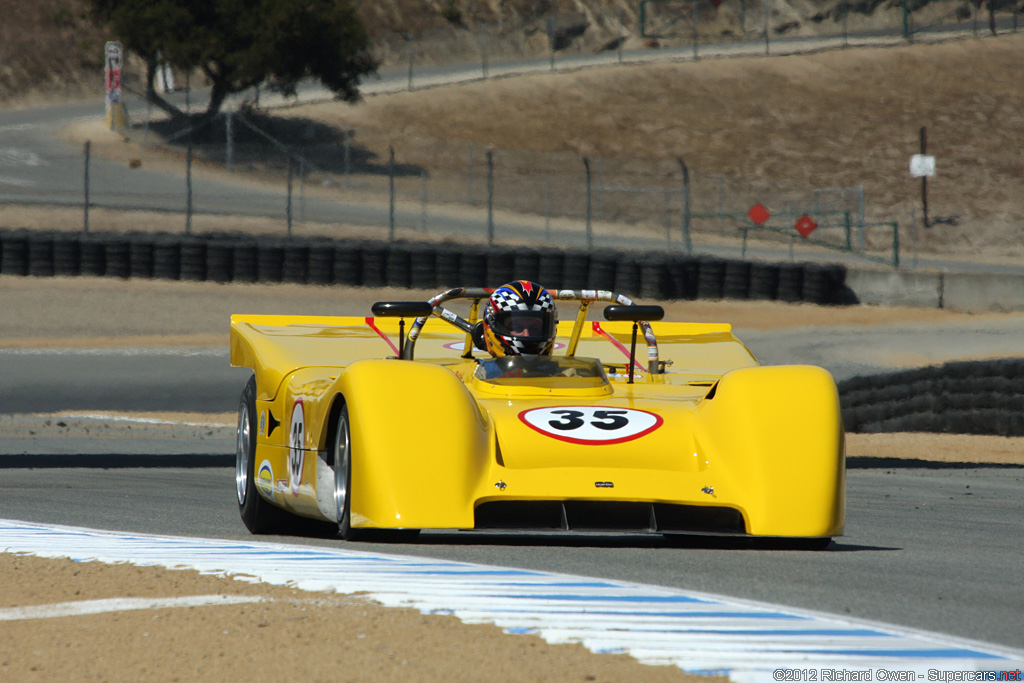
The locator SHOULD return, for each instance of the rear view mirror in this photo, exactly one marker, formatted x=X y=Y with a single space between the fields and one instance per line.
x=634 y=313
x=402 y=309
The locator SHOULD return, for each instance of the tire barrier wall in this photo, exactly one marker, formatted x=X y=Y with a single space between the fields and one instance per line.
x=965 y=397
x=241 y=258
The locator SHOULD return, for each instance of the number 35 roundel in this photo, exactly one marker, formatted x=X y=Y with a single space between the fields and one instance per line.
x=593 y=425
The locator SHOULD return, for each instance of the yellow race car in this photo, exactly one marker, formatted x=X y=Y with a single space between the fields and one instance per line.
x=353 y=421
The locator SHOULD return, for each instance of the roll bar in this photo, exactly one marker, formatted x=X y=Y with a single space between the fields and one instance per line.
x=584 y=296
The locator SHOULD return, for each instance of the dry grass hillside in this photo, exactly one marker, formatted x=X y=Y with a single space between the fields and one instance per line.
x=833 y=119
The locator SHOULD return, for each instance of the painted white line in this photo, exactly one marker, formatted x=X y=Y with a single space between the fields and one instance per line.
x=84 y=607
x=186 y=351
x=16 y=182
x=13 y=156
x=698 y=632
x=116 y=417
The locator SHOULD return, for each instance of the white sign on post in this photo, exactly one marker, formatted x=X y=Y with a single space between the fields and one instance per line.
x=922 y=166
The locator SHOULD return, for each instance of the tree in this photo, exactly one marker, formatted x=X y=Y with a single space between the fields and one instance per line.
x=240 y=44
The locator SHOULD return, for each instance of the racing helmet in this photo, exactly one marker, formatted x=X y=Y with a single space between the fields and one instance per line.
x=520 y=319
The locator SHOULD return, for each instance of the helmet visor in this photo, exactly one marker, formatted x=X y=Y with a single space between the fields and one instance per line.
x=525 y=325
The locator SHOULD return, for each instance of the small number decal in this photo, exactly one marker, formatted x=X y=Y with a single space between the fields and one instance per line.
x=590 y=424
x=297 y=447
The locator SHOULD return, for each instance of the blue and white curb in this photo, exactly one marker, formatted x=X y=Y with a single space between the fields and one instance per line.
x=698 y=632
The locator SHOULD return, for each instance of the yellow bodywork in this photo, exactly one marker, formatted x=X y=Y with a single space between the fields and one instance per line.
x=431 y=442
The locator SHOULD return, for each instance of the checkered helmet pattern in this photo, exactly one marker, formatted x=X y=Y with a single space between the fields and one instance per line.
x=520 y=319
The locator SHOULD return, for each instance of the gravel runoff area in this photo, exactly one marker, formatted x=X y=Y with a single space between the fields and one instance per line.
x=281 y=633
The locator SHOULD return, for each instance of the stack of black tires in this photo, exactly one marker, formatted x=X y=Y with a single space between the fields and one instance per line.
x=966 y=397
x=237 y=257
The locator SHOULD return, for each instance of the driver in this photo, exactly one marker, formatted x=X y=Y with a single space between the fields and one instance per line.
x=520 y=320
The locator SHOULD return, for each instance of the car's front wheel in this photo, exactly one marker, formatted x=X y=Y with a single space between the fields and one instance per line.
x=342 y=459
x=343 y=475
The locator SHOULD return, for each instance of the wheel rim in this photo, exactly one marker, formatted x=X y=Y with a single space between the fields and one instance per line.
x=242 y=454
x=341 y=465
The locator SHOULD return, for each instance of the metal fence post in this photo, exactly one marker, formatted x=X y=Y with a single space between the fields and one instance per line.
x=423 y=199
x=490 y=197
x=188 y=186
x=408 y=39
x=667 y=196
x=288 y=205
x=547 y=209
x=687 y=243
x=229 y=141
x=721 y=202
x=347 y=154
x=845 y=9
x=618 y=42
x=896 y=245
x=483 y=29
x=551 y=40
x=302 y=190
x=469 y=172
x=696 y=37
x=88 y=153
x=590 y=234
x=391 y=194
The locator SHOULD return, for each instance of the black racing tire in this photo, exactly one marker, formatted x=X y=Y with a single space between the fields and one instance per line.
x=341 y=457
x=423 y=267
x=219 y=255
x=736 y=281
x=295 y=263
x=140 y=256
x=320 y=270
x=117 y=254
x=711 y=278
x=258 y=515
x=244 y=266
x=40 y=255
x=527 y=264
x=66 y=258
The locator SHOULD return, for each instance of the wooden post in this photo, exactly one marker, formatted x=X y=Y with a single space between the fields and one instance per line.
x=924 y=178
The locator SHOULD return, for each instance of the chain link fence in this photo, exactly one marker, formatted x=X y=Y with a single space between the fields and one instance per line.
x=457 y=190
x=318 y=175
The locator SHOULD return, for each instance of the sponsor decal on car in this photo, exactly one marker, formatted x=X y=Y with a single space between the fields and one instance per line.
x=591 y=425
x=265 y=479
x=296 y=446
